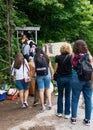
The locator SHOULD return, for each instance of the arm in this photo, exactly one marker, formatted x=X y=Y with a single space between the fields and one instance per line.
x=51 y=69
x=13 y=72
x=56 y=66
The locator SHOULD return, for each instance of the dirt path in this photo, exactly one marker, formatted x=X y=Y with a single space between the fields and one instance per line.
x=14 y=118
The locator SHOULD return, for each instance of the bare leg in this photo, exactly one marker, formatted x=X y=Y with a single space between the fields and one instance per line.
x=48 y=94
x=21 y=93
x=26 y=93
x=41 y=94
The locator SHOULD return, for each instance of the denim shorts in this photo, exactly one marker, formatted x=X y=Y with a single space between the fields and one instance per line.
x=21 y=85
x=43 y=82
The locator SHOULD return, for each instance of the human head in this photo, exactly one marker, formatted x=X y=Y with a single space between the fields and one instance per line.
x=80 y=46
x=18 y=60
x=24 y=39
x=66 y=48
x=39 y=51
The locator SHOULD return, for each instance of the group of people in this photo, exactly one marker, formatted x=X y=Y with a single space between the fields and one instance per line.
x=28 y=47
x=26 y=65
x=67 y=65
x=68 y=82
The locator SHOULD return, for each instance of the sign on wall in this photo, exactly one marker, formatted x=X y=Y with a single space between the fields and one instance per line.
x=52 y=49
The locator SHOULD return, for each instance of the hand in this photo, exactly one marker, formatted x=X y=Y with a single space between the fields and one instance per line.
x=14 y=78
x=52 y=77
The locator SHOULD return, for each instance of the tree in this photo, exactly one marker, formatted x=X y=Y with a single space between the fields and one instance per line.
x=91 y=1
x=8 y=3
x=59 y=19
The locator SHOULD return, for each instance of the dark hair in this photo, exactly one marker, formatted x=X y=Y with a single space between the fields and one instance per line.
x=40 y=52
x=18 y=60
x=80 y=46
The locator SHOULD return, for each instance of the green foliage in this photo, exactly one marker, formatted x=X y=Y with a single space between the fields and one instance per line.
x=59 y=20
x=52 y=61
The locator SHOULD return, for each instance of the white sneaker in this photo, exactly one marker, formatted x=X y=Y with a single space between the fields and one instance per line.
x=26 y=104
x=43 y=108
x=67 y=116
x=50 y=106
x=23 y=106
x=59 y=114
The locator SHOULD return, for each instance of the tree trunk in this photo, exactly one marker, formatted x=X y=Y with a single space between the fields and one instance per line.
x=8 y=2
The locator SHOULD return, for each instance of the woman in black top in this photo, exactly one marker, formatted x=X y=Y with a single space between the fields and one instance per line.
x=63 y=66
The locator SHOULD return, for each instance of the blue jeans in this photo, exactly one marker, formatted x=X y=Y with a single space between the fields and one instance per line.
x=43 y=82
x=21 y=85
x=78 y=87
x=64 y=83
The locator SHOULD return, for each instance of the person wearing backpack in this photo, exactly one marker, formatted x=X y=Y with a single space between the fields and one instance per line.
x=81 y=81
x=43 y=76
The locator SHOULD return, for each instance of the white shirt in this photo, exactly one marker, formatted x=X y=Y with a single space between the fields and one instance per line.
x=22 y=72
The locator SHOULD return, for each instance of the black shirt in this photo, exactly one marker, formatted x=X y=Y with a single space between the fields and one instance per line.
x=64 y=64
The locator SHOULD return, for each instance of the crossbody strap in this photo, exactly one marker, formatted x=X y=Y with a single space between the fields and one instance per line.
x=26 y=67
x=65 y=58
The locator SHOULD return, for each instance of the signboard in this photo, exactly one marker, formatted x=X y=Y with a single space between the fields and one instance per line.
x=52 y=49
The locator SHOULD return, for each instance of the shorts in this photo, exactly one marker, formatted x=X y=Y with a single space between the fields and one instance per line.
x=21 y=85
x=43 y=82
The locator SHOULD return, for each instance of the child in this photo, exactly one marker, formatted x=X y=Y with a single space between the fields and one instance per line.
x=32 y=75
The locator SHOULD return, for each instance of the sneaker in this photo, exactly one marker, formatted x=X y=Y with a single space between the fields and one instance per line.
x=50 y=106
x=67 y=116
x=26 y=104
x=35 y=103
x=59 y=114
x=73 y=121
x=43 y=108
x=23 y=106
x=86 y=122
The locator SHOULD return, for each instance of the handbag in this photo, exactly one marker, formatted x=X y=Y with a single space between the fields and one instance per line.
x=56 y=76
x=26 y=80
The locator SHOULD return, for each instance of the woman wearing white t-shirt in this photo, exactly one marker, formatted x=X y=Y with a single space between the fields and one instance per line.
x=20 y=70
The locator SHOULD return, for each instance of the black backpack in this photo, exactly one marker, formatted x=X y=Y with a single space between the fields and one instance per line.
x=41 y=66
x=85 y=70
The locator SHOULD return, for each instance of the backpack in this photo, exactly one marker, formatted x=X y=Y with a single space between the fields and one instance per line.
x=41 y=66
x=85 y=70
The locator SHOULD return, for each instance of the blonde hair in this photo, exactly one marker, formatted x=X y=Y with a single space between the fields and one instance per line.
x=66 y=48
